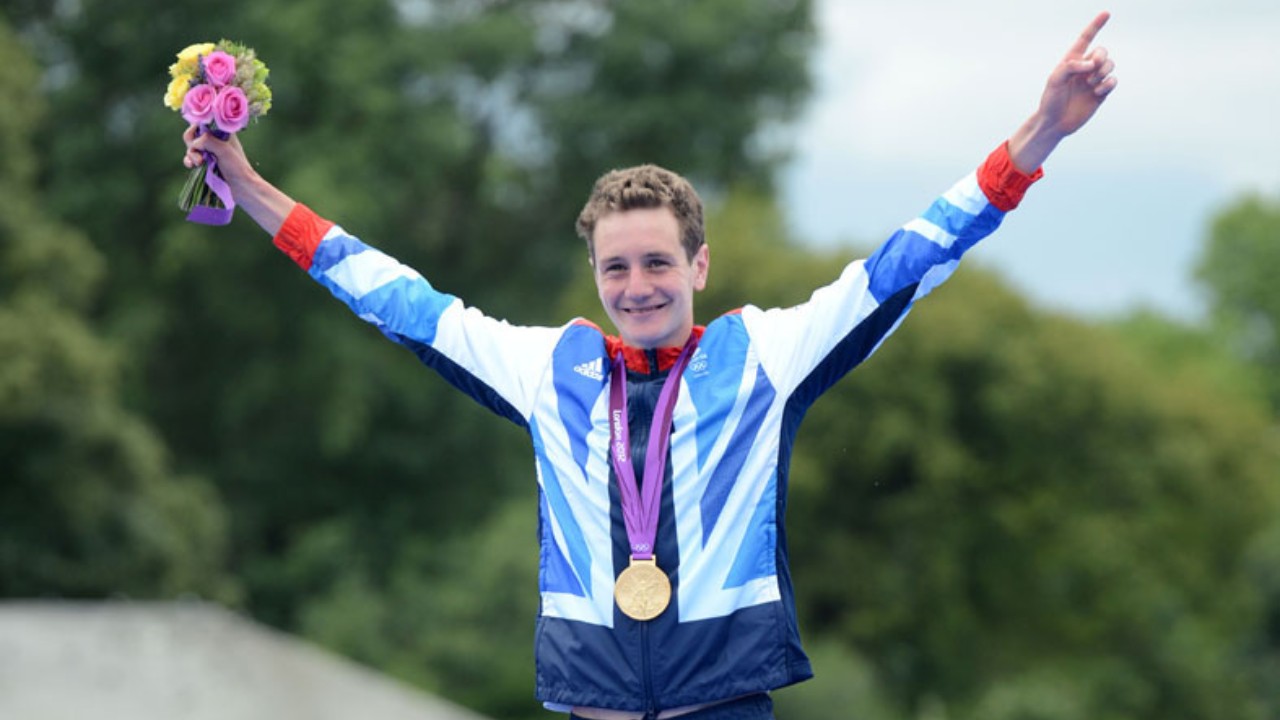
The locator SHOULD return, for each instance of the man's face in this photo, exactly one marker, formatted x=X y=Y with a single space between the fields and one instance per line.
x=645 y=280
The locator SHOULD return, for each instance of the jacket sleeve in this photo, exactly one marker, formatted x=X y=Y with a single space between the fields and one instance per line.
x=808 y=347
x=472 y=351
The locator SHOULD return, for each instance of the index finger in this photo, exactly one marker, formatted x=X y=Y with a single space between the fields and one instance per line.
x=1083 y=42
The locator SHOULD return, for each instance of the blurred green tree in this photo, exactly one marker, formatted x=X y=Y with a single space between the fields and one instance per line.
x=89 y=502
x=1239 y=267
x=455 y=618
x=1196 y=353
x=1003 y=501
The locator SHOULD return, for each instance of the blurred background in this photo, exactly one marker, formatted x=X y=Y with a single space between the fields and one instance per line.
x=1054 y=495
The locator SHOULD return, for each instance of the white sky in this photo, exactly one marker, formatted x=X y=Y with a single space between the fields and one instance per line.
x=911 y=95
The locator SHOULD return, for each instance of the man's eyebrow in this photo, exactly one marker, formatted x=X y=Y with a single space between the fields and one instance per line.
x=651 y=255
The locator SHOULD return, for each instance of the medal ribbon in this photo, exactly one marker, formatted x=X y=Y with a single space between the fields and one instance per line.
x=640 y=504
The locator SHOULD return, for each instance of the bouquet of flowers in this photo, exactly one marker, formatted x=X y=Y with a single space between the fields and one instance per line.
x=218 y=88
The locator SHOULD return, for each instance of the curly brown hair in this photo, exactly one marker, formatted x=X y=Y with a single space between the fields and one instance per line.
x=645 y=186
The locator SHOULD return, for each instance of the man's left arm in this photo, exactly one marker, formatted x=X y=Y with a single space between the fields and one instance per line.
x=843 y=323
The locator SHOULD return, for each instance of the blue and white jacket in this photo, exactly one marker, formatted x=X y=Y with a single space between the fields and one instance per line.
x=731 y=627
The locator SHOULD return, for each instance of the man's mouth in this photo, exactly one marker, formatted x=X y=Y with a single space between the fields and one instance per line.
x=644 y=310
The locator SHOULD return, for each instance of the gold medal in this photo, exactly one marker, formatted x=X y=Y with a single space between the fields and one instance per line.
x=642 y=591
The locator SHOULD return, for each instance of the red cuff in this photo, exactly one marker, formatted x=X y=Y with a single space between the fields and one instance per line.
x=1002 y=182
x=301 y=234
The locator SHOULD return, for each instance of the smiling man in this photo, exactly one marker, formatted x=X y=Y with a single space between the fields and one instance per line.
x=662 y=453
x=643 y=228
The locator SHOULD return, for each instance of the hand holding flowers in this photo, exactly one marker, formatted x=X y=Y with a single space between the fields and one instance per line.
x=218 y=88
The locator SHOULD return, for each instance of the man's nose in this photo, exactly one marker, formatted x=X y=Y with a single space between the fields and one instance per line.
x=638 y=283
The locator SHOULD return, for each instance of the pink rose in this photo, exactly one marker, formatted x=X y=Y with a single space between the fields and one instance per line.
x=219 y=67
x=197 y=106
x=231 y=109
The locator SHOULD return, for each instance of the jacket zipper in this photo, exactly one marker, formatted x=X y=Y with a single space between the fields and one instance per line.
x=650 y=712
x=650 y=709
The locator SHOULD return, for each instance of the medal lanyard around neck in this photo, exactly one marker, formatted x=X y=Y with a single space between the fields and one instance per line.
x=640 y=504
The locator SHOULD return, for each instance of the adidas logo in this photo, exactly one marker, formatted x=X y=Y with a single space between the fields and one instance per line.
x=593 y=369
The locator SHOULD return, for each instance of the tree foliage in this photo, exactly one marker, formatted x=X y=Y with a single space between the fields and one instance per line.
x=1239 y=267
x=1012 y=501
x=90 y=504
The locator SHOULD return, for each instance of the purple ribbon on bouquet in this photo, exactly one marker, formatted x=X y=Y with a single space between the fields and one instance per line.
x=640 y=504
x=207 y=214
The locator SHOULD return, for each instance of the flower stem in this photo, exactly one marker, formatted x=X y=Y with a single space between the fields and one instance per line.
x=197 y=192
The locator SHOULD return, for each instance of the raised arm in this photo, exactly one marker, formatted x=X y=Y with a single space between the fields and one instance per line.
x=264 y=202
x=1076 y=89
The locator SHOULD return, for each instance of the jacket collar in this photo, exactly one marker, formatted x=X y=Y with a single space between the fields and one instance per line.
x=646 y=362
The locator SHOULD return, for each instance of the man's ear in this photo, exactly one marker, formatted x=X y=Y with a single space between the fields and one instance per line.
x=701 y=267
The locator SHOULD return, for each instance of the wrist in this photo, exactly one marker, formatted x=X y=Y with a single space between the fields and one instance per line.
x=239 y=175
x=1032 y=144
x=263 y=202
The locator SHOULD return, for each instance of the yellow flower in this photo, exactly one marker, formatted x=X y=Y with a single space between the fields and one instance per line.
x=177 y=92
x=192 y=53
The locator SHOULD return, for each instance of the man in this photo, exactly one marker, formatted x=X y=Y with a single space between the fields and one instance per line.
x=662 y=453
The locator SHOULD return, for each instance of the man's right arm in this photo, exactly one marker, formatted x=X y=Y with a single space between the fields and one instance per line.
x=497 y=364
x=264 y=202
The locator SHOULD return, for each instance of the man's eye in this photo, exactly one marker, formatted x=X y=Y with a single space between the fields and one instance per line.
x=615 y=268
x=658 y=263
